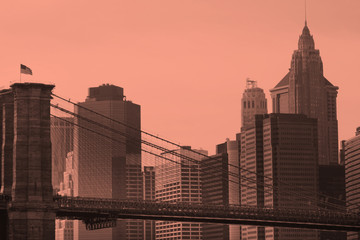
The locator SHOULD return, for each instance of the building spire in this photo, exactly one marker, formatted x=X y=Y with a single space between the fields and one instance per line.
x=305 y=15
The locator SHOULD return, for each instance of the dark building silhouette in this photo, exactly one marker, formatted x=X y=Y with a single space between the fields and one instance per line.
x=352 y=177
x=279 y=170
x=332 y=191
x=149 y=194
x=305 y=90
x=290 y=154
x=108 y=166
x=220 y=185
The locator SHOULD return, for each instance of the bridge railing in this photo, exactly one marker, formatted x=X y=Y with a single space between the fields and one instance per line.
x=111 y=206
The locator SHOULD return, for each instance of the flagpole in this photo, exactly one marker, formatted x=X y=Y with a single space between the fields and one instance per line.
x=20 y=73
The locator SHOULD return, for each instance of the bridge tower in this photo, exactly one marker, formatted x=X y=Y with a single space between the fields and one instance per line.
x=26 y=120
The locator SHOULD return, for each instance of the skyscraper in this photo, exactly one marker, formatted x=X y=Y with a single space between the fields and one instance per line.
x=305 y=90
x=178 y=181
x=252 y=181
x=352 y=176
x=290 y=152
x=253 y=102
x=278 y=160
x=108 y=165
x=220 y=185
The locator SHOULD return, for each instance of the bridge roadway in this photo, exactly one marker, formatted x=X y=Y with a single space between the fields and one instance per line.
x=91 y=210
x=82 y=208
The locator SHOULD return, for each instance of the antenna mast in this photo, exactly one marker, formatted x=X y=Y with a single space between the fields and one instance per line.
x=250 y=83
x=305 y=15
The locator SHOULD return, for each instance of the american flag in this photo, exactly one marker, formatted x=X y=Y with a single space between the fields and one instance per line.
x=25 y=70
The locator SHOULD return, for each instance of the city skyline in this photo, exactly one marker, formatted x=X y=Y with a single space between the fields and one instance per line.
x=162 y=51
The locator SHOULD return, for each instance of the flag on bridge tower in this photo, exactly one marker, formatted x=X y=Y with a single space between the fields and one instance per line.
x=25 y=70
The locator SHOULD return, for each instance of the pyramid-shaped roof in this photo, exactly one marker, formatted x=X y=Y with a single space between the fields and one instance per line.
x=284 y=81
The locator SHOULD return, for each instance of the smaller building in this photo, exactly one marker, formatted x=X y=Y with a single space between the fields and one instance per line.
x=178 y=181
x=332 y=195
x=352 y=177
x=64 y=229
x=220 y=185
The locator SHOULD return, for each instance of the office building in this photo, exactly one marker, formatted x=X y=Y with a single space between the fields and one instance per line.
x=149 y=195
x=352 y=177
x=61 y=133
x=108 y=159
x=332 y=195
x=305 y=90
x=290 y=153
x=252 y=165
x=220 y=185
x=178 y=181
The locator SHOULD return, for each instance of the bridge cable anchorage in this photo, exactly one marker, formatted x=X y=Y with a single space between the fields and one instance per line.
x=163 y=149
x=177 y=145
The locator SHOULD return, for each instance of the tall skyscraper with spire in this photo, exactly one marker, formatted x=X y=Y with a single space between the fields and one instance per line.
x=305 y=90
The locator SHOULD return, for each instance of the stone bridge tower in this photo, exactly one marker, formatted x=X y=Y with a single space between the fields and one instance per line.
x=26 y=161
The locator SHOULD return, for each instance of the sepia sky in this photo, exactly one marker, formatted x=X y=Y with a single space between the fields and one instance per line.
x=185 y=62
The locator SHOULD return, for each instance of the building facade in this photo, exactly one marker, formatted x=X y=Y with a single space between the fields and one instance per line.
x=290 y=155
x=352 y=177
x=220 y=185
x=305 y=90
x=178 y=181
x=252 y=166
x=107 y=156
x=332 y=195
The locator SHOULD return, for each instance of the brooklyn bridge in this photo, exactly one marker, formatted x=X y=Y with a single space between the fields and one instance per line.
x=29 y=207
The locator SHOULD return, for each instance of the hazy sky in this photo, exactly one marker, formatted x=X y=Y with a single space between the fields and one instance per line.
x=185 y=62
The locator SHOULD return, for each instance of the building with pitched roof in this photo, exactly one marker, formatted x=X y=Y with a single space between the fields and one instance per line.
x=305 y=90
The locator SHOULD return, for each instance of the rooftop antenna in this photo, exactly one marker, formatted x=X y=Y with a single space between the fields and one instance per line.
x=250 y=83
x=305 y=15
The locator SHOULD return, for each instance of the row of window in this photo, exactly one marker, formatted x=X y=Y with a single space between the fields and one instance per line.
x=252 y=105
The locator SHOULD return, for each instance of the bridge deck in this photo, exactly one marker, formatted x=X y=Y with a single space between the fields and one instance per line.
x=83 y=208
